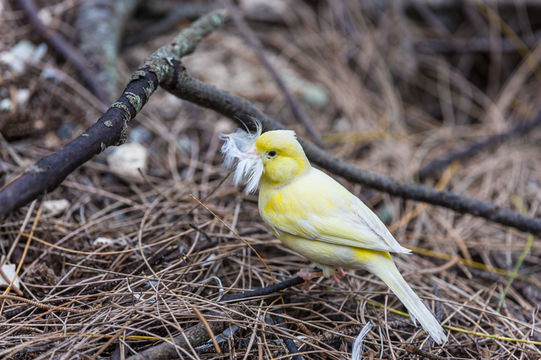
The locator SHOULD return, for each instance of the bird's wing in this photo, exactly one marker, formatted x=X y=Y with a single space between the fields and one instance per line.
x=317 y=207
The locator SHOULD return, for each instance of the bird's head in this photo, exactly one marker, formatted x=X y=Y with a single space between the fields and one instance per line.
x=275 y=156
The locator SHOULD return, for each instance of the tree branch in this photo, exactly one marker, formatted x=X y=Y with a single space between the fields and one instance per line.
x=188 y=88
x=112 y=127
x=173 y=13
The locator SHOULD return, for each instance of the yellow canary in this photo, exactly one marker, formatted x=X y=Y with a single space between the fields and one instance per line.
x=315 y=216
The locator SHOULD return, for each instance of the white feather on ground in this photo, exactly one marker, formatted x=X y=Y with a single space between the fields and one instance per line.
x=357 y=350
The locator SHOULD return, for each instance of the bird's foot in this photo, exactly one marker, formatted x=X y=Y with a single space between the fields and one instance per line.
x=306 y=275
x=339 y=273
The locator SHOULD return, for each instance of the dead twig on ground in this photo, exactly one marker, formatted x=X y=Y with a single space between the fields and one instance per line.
x=416 y=351
x=290 y=344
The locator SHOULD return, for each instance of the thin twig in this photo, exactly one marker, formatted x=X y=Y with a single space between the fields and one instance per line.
x=8 y=281
x=210 y=333
x=194 y=336
x=173 y=16
x=41 y=305
x=110 y=341
x=268 y=290
x=290 y=344
x=523 y=254
x=188 y=11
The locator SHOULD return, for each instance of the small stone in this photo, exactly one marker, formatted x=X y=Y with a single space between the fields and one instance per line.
x=311 y=93
x=5 y=105
x=39 y=53
x=9 y=271
x=23 y=52
x=22 y=97
x=126 y=160
x=103 y=241
x=278 y=7
x=224 y=126
x=55 y=206
x=51 y=74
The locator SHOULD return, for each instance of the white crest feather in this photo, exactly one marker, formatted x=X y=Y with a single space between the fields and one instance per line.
x=240 y=155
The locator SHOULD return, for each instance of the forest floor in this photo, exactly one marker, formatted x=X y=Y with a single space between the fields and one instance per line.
x=111 y=264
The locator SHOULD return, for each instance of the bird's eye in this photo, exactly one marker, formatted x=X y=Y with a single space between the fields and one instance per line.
x=272 y=153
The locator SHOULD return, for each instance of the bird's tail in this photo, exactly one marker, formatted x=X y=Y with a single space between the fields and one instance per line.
x=383 y=266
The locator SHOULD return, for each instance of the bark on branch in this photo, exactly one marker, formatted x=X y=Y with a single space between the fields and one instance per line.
x=112 y=127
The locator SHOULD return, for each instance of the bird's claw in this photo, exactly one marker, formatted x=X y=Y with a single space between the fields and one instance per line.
x=306 y=275
x=339 y=273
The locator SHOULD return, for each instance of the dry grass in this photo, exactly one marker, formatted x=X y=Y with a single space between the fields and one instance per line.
x=391 y=109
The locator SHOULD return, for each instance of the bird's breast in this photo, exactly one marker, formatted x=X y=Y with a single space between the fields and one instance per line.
x=325 y=253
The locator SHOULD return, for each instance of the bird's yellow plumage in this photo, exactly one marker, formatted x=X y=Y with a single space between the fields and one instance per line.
x=315 y=216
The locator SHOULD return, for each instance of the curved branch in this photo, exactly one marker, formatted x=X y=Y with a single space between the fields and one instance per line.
x=186 y=87
x=111 y=128
x=267 y=290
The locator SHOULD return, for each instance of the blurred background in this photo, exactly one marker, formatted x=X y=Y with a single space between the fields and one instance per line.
x=389 y=86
